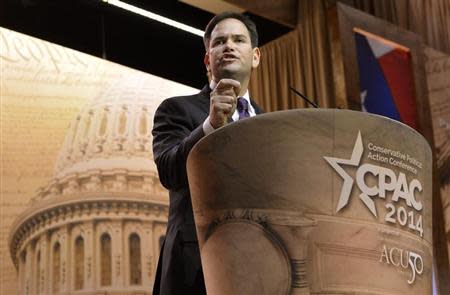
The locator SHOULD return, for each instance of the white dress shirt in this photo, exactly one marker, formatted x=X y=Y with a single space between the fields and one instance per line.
x=208 y=128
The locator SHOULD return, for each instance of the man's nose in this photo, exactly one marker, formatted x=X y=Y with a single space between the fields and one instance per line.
x=229 y=44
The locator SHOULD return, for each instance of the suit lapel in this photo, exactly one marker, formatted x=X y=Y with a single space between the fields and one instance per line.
x=258 y=110
x=205 y=93
x=204 y=99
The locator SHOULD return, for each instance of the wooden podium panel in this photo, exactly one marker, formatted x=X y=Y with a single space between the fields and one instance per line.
x=314 y=202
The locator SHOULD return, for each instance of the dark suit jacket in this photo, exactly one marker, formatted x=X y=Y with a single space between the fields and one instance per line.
x=178 y=125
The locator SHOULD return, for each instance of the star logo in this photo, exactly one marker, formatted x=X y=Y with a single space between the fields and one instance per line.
x=347 y=186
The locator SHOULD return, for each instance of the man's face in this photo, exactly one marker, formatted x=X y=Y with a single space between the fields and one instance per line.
x=230 y=53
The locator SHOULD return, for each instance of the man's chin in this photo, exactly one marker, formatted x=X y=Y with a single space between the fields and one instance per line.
x=230 y=73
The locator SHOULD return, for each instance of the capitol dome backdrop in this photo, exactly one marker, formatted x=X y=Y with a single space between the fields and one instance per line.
x=82 y=207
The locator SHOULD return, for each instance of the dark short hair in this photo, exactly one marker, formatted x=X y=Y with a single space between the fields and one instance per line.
x=249 y=24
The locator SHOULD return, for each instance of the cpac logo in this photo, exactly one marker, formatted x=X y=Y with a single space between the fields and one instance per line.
x=387 y=182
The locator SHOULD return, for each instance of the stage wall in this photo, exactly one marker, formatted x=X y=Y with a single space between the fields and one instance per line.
x=438 y=73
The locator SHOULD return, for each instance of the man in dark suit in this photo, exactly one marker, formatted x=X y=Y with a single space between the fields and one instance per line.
x=231 y=44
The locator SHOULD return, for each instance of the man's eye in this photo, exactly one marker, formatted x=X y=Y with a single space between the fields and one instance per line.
x=218 y=42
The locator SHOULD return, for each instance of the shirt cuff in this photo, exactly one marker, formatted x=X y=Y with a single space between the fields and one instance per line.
x=207 y=127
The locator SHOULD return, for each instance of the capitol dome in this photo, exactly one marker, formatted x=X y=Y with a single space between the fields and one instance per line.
x=112 y=132
x=98 y=224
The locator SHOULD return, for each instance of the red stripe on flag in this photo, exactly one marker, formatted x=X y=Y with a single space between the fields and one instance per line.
x=397 y=69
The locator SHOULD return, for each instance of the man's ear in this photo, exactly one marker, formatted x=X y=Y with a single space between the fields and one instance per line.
x=256 y=57
x=206 y=60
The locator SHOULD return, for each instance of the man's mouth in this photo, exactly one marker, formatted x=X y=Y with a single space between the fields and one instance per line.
x=229 y=57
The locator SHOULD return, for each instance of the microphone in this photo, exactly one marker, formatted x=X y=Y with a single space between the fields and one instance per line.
x=304 y=97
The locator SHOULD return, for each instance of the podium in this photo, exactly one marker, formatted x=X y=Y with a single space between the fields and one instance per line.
x=314 y=201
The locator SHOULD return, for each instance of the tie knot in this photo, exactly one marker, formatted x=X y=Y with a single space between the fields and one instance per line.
x=242 y=104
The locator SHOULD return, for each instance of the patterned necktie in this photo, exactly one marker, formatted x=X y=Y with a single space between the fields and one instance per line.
x=242 y=107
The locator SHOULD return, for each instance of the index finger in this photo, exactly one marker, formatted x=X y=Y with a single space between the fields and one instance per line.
x=229 y=83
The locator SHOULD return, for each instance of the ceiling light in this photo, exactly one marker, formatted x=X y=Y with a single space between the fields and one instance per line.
x=155 y=16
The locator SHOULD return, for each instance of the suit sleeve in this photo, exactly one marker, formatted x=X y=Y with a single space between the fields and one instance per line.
x=174 y=135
